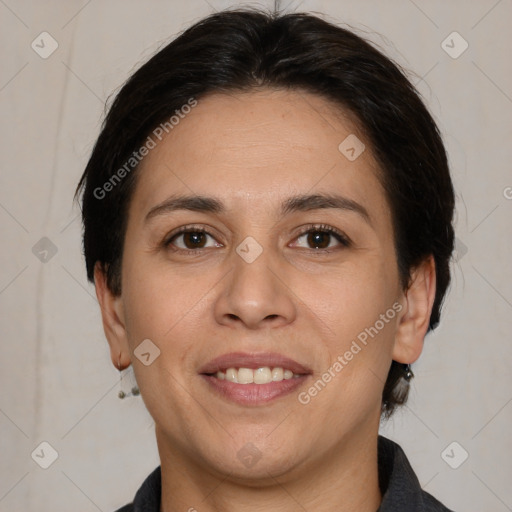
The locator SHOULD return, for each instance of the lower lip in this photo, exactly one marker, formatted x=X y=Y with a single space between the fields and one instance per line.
x=254 y=394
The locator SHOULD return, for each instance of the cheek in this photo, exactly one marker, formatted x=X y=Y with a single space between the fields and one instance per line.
x=156 y=300
x=167 y=310
x=350 y=299
x=354 y=310
x=358 y=341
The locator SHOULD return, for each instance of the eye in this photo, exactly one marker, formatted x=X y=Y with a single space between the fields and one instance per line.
x=317 y=237
x=190 y=239
x=321 y=237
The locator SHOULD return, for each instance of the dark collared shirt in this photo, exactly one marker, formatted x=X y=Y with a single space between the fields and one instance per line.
x=399 y=485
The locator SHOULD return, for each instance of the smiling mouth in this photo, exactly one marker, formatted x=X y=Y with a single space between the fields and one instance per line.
x=254 y=387
x=253 y=379
x=263 y=375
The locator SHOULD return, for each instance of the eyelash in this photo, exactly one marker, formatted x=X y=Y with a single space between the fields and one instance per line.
x=312 y=228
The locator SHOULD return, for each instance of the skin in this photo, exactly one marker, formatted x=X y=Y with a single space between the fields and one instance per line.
x=252 y=151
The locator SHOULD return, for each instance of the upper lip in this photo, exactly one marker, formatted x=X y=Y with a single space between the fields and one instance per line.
x=253 y=361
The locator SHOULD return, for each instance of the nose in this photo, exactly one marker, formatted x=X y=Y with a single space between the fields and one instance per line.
x=255 y=295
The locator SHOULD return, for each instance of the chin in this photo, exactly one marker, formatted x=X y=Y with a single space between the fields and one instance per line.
x=253 y=462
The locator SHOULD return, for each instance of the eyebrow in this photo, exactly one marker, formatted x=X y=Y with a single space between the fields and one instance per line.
x=300 y=203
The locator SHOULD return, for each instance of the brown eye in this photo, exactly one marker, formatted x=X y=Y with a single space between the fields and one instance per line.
x=192 y=239
x=317 y=238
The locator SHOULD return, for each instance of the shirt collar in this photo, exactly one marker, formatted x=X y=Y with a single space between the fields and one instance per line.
x=399 y=485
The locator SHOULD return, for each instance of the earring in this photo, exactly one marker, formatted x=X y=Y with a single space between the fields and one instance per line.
x=408 y=375
x=122 y=394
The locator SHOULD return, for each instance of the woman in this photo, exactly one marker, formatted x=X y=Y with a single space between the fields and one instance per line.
x=268 y=224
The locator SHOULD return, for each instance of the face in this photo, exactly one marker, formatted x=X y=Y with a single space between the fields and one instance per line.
x=284 y=273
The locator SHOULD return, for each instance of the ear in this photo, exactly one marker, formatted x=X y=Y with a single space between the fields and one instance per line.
x=113 y=320
x=417 y=304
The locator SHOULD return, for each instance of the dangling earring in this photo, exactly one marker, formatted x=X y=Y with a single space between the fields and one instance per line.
x=408 y=375
x=122 y=394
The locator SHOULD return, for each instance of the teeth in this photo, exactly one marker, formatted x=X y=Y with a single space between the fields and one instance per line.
x=245 y=376
x=260 y=376
x=277 y=374
x=231 y=375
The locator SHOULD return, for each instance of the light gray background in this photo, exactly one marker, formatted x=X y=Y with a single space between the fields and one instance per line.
x=57 y=383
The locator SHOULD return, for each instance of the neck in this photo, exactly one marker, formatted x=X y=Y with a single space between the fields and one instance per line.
x=346 y=479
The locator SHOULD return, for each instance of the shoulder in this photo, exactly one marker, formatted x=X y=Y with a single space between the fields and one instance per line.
x=433 y=505
x=126 y=508
x=399 y=484
x=148 y=496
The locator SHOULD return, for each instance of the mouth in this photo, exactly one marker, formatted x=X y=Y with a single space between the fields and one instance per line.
x=253 y=379
x=263 y=375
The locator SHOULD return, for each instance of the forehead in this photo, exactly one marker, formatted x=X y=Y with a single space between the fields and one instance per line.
x=255 y=148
